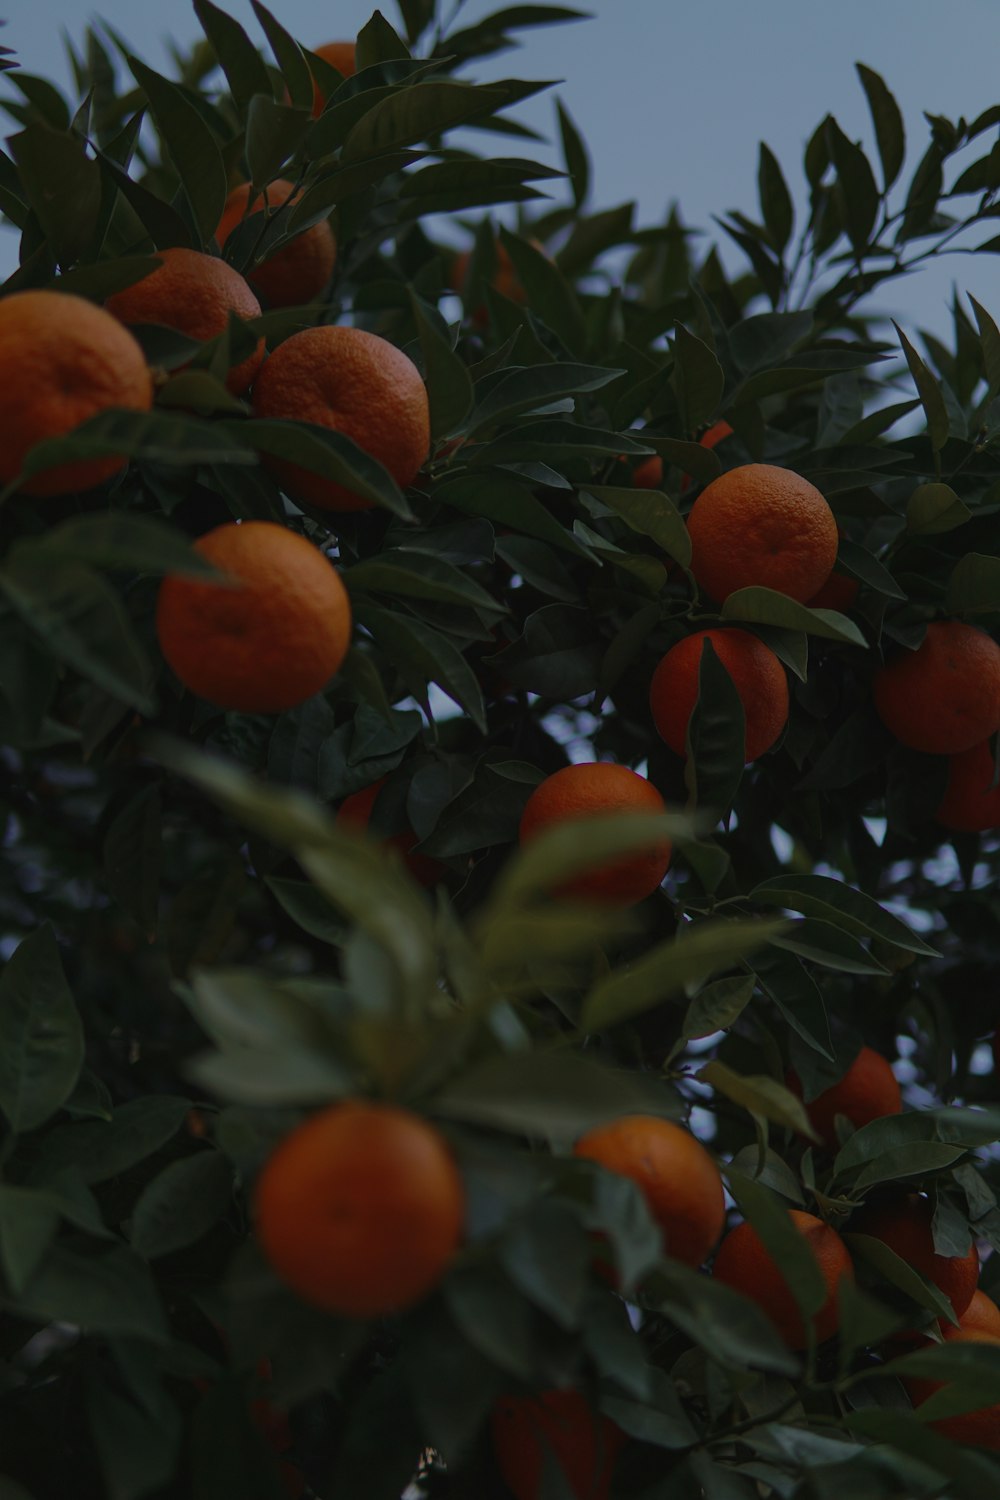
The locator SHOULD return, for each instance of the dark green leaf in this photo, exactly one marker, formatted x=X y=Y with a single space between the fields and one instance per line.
x=289 y=57
x=41 y=1035
x=775 y=199
x=841 y=904
x=888 y=122
x=697 y=379
x=132 y=849
x=974 y=585
x=715 y=739
x=449 y=385
x=192 y=145
x=62 y=186
x=761 y=606
x=236 y=54
x=180 y=1205
x=934 y=508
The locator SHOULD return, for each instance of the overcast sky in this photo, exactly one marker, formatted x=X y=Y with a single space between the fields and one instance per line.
x=672 y=97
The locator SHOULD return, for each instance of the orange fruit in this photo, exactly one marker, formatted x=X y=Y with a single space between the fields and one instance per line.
x=355 y=383
x=745 y=1264
x=838 y=592
x=979 y=1428
x=300 y=269
x=584 y=1444
x=66 y=360
x=355 y=812
x=904 y=1224
x=340 y=55
x=971 y=803
x=762 y=525
x=267 y=641
x=678 y=1178
x=589 y=790
x=360 y=1209
x=193 y=293
x=867 y=1091
x=982 y=1313
x=944 y=697
x=757 y=675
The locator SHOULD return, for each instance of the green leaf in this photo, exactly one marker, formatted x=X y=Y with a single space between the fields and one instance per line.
x=378 y=42
x=728 y=1326
x=41 y=1035
x=29 y=1222
x=131 y=853
x=182 y=1204
x=416 y=576
x=761 y=1095
x=557 y=656
x=715 y=739
x=555 y=1095
x=574 y=155
x=859 y=194
x=915 y=1159
x=100 y=1150
x=237 y=56
x=118 y=541
x=974 y=585
x=989 y=338
x=63 y=187
x=697 y=379
x=717 y=1005
x=828 y=945
x=106 y=1291
x=289 y=57
x=274 y=132
x=929 y=392
x=760 y=606
x=933 y=508
x=449 y=385
x=669 y=968
x=775 y=199
x=416 y=114
x=548 y=291
x=787 y=1246
x=898 y=1272
x=888 y=122
x=192 y=144
x=308 y=908
x=532 y=386
x=842 y=905
x=650 y=513
x=331 y=455
x=425 y=655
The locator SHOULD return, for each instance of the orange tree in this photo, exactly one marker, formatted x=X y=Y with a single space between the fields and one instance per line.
x=387 y=1107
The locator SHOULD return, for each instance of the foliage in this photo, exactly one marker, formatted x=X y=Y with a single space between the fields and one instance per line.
x=198 y=954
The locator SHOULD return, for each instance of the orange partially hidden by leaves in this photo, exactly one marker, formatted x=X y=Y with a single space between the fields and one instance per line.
x=194 y=294
x=757 y=675
x=355 y=812
x=360 y=1209
x=269 y=637
x=867 y=1091
x=762 y=526
x=583 y=1443
x=64 y=360
x=839 y=592
x=944 y=697
x=340 y=55
x=352 y=382
x=590 y=790
x=744 y=1264
x=971 y=801
x=980 y=1428
x=678 y=1178
x=982 y=1314
x=904 y=1223
x=297 y=271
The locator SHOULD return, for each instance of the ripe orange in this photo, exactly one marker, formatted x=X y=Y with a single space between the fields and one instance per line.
x=355 y=383
x=971 y=803
x=944 y=697
x=561 y=1423
x=757 y=674
x=360 y=1209
x=979 y=1428
x=355 y=812
x=904 y=1224
x=194 y=294
x=299 y=270
x=678 y=1178
x=982 y=1313
x=268 y=642
x=838 y=592
x=744 y=1263
x=588 y=790
x=761 y=525
x=64 y=360
x=340 y=55
x=867 y=1091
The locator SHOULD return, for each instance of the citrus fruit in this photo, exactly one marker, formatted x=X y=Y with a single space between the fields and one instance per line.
x=757 y=675
x=678 y=1178
x=360 y=1209
x=340 y=55
x=590 y=790
x=355 y=383
x=980 y=1428
x=583 y=1443
x=65 y=360
x=982 y=1313
x=745 y=1264
x=268 y=639
x=944 y=697
x=355 y=812
x=760 y=525
x=297 y=271
x=194 y=294
x=903 y=1222
x=971 y=802
x=867 y=1091
x=838 y=592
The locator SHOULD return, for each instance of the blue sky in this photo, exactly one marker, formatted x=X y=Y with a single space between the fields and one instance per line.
x=673 y=98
